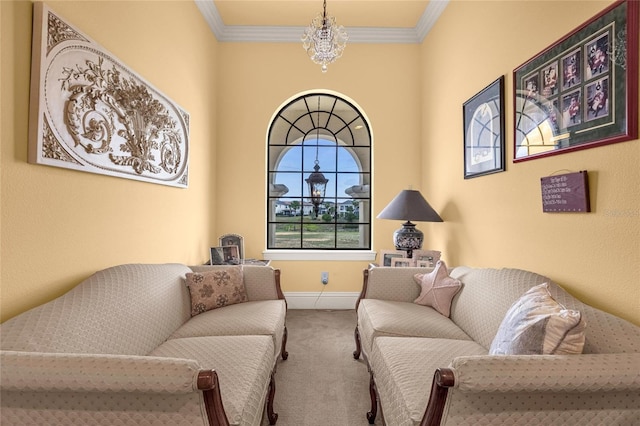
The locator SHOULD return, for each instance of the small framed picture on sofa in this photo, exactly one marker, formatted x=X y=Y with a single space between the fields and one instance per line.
x=233 y=240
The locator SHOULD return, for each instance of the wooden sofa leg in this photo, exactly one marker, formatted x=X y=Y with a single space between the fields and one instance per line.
x=272 y=417
x=283 y=351
x=356 y=353
x=373 y=392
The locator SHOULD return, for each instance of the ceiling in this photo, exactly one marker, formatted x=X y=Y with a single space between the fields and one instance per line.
x=366 y=21
x=354 y=13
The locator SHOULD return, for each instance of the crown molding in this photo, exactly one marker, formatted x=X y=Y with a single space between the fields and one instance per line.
x=429 y=17
x=377 y=35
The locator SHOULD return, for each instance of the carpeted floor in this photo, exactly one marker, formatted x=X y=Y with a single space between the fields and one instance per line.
x=321 y=384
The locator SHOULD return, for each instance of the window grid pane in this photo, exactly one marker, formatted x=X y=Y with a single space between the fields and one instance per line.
x=341 y=148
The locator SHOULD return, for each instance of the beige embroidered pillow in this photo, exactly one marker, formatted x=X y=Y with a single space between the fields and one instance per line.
x=216 y=288
x=538 y=325
x=438 y=289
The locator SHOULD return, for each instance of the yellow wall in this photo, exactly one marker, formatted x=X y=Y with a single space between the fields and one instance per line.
x=255 y=80
x=492 y=221
x=59 y=226
x=497 y=220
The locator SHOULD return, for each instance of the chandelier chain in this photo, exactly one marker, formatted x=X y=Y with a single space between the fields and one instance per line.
x=317 y=163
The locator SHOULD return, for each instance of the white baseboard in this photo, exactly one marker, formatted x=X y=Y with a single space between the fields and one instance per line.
x=321 y=300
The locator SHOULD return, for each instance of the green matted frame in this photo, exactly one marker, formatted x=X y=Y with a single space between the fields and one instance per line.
x=582 y=91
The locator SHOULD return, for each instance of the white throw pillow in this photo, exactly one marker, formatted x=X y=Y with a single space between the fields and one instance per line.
x=538 y=325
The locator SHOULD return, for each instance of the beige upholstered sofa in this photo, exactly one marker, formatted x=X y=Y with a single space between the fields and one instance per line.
x=122 y=348
x=427 y=369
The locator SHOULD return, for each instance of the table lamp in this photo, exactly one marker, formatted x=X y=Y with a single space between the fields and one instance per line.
x=409 y=205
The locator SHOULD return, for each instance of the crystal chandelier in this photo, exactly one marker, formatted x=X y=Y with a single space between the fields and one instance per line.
x=324 y=40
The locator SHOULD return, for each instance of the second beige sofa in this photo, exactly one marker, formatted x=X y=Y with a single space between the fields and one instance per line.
x=122 y=348
x=429 y=369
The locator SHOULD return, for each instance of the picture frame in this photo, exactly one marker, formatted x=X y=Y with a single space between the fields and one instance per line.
x=402 y=262
x=216 y=256
x=424 y=264
x=581 y=92
x=386 y=256
x=225 y=255
x=484 y=131
x=233 y=240
x=430 y=257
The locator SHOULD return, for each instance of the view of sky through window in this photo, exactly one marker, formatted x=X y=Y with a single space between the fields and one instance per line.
x=330 y=160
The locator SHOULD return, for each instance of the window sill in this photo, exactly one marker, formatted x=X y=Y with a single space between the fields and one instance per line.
x=361 y=255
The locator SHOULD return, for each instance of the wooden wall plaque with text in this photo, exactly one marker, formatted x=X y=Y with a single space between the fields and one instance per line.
x=566 y=193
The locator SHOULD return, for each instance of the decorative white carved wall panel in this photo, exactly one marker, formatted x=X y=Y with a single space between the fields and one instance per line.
x=89 y=112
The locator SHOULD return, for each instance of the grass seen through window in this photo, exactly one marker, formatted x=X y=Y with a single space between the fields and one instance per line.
x=316 y=233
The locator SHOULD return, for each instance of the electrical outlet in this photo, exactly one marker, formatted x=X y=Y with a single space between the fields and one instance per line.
x=324 y=278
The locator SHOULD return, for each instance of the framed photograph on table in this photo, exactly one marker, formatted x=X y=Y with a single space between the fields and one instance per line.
x=387 y=255
x=483 y=118
x=231 y=255
x=427 y=258
x=424 y=264
x=216 y=256
x=582 y=91
x=225 y=255
x=233 y=240
x=402 y=262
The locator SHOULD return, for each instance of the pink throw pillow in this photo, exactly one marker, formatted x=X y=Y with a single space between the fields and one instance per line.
x=438 y=289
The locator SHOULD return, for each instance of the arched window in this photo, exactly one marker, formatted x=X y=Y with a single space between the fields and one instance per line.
x=319 y=175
